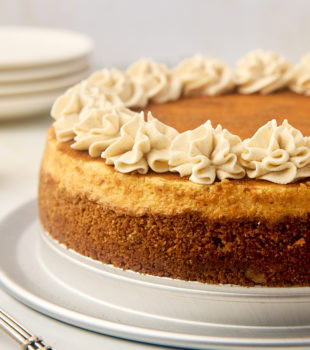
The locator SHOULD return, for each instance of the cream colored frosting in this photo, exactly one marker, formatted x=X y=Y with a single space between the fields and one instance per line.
x=158 y=81
x=97 y=129
x=206 y=153
x=68 y=107
x=131 y=93
x=204 y=76
x=300 y=82
x=82 y=95
x=160 y=136
x=120 y=136
x=263 y=72
x=280 y=154
x=142 y=144
x=127 y=153
x=94 y=114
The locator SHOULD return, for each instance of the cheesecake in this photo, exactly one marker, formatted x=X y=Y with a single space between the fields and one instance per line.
x=198 y=186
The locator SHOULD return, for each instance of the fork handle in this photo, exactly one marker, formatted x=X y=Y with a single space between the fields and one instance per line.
x=15 y=330
x=11 y=332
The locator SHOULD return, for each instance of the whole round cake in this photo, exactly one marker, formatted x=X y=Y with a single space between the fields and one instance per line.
x=158 y=190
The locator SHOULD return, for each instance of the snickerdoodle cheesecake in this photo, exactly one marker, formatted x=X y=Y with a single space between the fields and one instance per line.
x=140 y=170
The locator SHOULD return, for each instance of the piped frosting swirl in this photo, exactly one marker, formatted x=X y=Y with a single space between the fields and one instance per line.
x=262 y=72
x=204 y=76
x=70 y=107
x=206 y=153
x=300 y=81
x=157 y=80
x=279 y=154
x=131 y=93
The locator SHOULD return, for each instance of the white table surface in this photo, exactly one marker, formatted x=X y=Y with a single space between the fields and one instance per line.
x=21 y=147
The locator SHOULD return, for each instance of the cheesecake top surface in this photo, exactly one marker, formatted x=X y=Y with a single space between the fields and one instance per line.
x=240 y=114
x=195 y=133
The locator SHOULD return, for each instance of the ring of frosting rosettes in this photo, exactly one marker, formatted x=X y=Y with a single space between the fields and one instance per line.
x=96 y=115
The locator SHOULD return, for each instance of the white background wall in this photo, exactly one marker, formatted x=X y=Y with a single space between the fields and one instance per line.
x=124 y=30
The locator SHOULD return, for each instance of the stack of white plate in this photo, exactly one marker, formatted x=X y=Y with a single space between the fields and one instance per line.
x=37 y=65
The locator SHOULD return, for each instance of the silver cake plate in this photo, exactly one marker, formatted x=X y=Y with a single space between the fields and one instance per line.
x=80 y=291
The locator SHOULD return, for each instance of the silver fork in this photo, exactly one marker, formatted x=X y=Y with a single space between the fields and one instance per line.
x=27 y=340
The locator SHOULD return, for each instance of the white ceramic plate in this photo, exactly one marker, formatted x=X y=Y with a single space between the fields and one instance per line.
x=29 y=105
x=16 y=75
x=25 y=272
x=177 y=300
x=62 y=82
x=33 y=46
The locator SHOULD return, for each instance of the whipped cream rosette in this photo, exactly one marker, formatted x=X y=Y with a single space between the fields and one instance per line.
x=127 y=153
x=68 y=108
x=262 y=72
x=300 y=81
x=130 y=92
x=204 y=76
x=206 y=153
x=160 y=136
x=279 y=154
x=158 y=81
x=99 y=128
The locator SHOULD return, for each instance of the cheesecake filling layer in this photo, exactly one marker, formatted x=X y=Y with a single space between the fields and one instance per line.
x=168 y=193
